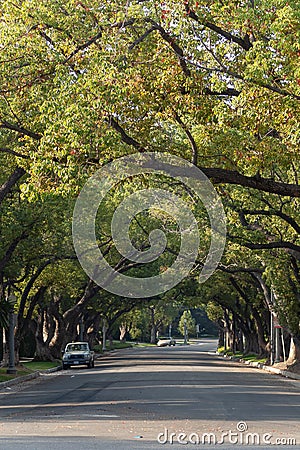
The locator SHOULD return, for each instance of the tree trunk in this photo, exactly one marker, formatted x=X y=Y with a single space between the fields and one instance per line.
x=42 y=351
x=251 y=343
x=45 y=330
x=229 y=335
x=123 y=331
x=153 y=334
x=153 y=326
x=5 y=356
x=294 y=355
x=221 y=337
x=263 y=348
x=92 y=329
x=23 y=323
x=239 y=341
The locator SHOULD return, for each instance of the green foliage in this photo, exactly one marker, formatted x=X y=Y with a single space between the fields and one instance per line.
x=72 y=74
x=157 y=313
x=216 y=83
x=187 y=320
x=6 y=304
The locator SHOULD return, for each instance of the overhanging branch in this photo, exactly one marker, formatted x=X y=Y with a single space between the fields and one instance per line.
x=19 y=129
x=6 y=187
x=216 y=174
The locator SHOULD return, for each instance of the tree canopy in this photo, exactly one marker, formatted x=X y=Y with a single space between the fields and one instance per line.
x=83 y=82
x=216 y=83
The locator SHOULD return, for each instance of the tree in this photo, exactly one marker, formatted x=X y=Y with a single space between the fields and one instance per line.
x=217 y=84
x=5 y=307
x=223 y=77
x=187 y=322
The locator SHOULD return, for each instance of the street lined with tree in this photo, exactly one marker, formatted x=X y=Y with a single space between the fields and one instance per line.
x=84 y=83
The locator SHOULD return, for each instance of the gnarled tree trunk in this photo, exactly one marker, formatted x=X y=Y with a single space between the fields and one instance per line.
x=294 y=355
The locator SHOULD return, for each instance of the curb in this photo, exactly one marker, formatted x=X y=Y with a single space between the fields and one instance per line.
x=258 y=365
x=30 y=376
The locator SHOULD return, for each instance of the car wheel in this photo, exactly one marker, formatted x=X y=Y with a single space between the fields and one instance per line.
x=65 y=366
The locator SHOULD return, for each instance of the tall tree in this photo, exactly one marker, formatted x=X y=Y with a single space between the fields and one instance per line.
x=187 y=323
x=216 y=83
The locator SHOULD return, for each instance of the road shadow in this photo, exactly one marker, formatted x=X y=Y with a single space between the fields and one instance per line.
x=157 y=385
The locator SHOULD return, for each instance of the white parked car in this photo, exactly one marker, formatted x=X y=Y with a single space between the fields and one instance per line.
x=76 y=354
x=165 y=342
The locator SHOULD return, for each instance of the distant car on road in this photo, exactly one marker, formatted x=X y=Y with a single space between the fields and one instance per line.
x=76 y=354
x=165 y=342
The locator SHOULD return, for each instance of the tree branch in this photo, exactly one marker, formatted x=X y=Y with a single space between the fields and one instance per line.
x=177 y=50
x=95 y=38
x=216 y=174
x=237 y=76
x=124 y=136
x=13 y=152
x=19 y=129
x=190 y=138
x=11 y=249
x=270 y=213
x=30 y=284
x=244 y=43
x=230 y=92
x=83 y=46
x=6 y=187
x=141 y=38
x=228 y=269
x=273 y=245
x=267 y=245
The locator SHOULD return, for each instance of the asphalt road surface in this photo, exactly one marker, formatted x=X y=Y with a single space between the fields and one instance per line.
x=152 y=398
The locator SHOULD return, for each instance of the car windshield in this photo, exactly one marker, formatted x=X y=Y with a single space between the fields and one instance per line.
x=76 y=347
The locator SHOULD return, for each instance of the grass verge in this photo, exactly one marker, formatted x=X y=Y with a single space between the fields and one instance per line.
x=115 y=346
x=119 y=345
x=26 y=368
x=246 y=357
x=6 y=377
x=32 y=366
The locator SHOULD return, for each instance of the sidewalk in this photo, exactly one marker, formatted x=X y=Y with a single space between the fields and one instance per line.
x=258 y=365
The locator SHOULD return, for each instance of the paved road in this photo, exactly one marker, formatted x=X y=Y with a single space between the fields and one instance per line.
x=137 y=398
